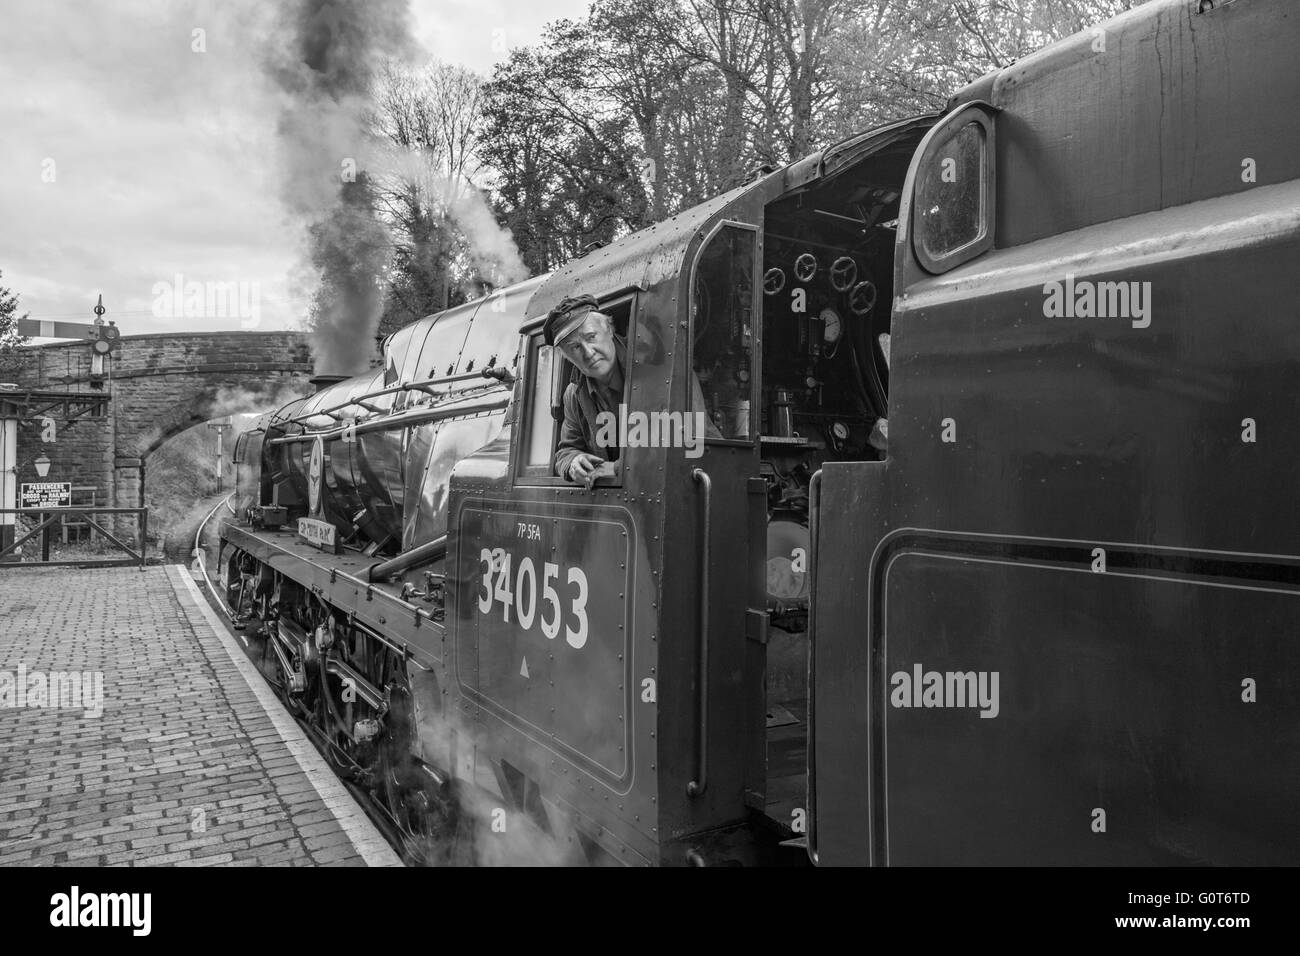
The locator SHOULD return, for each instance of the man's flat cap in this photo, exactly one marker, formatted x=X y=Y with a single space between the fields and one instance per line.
x=567 y=316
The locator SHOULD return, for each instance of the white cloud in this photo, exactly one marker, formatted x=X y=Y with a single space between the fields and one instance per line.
x=479 y=33
x=166 y=160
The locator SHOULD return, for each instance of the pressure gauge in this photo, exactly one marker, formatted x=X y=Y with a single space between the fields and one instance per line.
x=831 y=325
x=840 y=431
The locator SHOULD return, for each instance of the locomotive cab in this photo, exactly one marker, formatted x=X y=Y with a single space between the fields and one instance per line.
x=756 y=352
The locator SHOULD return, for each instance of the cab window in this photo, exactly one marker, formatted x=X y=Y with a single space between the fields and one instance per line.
x=541 y=429
x=723 y=339
x=547 y=374
x=953 y=206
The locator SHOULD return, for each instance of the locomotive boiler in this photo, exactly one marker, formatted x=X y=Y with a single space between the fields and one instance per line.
x=916 y=599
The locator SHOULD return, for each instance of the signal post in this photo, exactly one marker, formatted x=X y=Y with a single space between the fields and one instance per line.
x=9 y=416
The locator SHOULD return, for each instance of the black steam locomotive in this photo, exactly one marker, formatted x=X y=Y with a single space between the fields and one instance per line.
x=1029 y=631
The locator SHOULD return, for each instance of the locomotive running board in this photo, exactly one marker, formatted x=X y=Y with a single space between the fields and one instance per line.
x=335 y=579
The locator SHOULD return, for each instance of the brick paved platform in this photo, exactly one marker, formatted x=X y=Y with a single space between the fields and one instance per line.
x=192 y=762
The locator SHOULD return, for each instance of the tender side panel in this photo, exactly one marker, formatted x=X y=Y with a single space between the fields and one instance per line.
x=1119 y=693
x=1128 y=427
x=1155 y=110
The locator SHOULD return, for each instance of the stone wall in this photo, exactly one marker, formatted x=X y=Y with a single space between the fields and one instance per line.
x=158 y=386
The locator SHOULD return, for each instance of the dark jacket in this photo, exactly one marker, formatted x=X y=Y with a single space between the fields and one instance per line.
x=583 y=400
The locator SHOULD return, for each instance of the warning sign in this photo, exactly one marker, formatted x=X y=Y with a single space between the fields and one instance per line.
x=46 y=494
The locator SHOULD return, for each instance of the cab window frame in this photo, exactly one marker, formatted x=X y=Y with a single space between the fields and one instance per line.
x=534 y=475
x=938 y=139
x=756 y=355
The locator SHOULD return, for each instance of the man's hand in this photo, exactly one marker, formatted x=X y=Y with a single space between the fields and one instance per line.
x=585 y=469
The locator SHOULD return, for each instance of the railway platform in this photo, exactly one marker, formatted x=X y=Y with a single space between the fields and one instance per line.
x=133 y=731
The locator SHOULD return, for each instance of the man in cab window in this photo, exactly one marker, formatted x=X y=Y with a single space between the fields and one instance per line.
x=586 y=337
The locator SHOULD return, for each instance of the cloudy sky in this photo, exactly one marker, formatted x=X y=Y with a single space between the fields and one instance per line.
x=128 y=159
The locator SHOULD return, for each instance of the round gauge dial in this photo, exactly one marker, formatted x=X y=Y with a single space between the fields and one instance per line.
x=840 y=431
x=833 y=325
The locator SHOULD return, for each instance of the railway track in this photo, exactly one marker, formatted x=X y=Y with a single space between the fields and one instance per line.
x=200 y=558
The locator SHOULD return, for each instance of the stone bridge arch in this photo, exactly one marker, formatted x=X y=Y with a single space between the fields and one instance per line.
x=157 y=386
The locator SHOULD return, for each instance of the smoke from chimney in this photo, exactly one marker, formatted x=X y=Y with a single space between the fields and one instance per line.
x=325 y=70
x=326 y=56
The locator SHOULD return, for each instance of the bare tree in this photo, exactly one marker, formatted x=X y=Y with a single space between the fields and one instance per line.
x=681 y=99
x=427 y=189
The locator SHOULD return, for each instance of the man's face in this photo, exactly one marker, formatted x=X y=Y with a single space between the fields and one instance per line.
x=591 y=347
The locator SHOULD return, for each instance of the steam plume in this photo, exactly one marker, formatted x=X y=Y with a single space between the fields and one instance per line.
x=325 y=69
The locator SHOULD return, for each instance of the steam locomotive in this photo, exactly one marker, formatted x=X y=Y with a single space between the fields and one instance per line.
x=954 y=578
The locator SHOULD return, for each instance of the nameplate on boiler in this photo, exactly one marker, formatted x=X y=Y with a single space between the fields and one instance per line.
x=319 y=534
